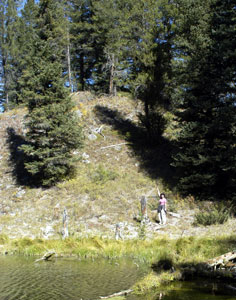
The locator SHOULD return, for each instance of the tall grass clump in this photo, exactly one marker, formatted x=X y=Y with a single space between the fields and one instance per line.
x=3 y=239
x=161 y=253
x=152 y=281
x=217 y=214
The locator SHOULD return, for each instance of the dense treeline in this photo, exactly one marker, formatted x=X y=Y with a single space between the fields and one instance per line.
x=176 y=56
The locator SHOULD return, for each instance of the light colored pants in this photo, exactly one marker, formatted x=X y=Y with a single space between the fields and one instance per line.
x=162 y=217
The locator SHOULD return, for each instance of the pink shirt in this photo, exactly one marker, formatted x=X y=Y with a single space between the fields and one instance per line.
x=162 y=201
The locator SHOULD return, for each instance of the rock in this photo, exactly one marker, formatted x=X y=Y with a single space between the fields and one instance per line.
x=104 y=217
x=9 y=186
x=20 y=194
x=86 y=161
x=92 y=137
x=79 y=113
x=174 y=214
x=85 y=156
x=48 y=231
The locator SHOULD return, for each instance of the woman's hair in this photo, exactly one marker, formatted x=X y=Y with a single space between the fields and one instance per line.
x=162 y=194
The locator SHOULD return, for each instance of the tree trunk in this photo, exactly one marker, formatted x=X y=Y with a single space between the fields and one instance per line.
x=69 y=63
x=147 y=120
x=112 y=72
x=81 y=77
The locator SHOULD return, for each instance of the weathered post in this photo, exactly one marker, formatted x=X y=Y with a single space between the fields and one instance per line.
x=65 y=232
x=118 y=234
x=56 y=212
x=144 y=216
x=143 y=207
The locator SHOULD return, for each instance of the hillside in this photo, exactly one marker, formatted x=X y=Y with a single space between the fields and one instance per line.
x=114 y=169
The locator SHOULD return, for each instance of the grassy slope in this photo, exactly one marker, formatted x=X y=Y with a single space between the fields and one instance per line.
x=105 y=191
x=108 y=184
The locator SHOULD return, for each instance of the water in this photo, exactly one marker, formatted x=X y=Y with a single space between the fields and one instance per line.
x=64 y=279
x=67 y=279
x=200 y=289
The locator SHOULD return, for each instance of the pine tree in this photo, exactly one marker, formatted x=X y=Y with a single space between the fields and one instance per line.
x=151 y=55
x=53 y=129
x=9 y=50
x=111 y=20
x=206 y=157
x=82 y=41
x=26 y=35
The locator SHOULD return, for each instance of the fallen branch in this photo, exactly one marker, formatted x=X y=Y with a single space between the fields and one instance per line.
x=174 y=214
x=230 y=287
x=46 y=256
x=222 y=260
x=118 y=294
x=98 y=131
x=113 y=146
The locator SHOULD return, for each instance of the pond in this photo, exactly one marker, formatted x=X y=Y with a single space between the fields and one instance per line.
x=70 y=279
x=65 y=279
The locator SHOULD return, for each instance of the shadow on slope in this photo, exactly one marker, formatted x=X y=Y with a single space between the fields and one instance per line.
x=154 y=159
x=19 y=173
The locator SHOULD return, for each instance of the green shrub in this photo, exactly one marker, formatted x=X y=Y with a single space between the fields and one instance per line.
x=217 y=214
x=25 y=242
x=102 y=175
x=142 y=231
x=3 y=239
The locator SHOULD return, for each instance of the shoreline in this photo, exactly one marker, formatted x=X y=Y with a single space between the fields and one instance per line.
x=178 y=251
x=169 y=260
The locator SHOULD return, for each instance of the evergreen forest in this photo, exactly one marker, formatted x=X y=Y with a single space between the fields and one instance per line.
x=175 y=57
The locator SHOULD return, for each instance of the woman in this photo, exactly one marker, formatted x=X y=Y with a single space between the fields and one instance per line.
x=162 y=208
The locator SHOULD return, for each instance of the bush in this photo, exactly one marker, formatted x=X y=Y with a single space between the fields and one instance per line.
x=218 y=214
x=102 y=175
x=3 y=239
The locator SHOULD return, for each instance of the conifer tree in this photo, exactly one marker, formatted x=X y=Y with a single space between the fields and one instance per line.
x=206 y=157
x=82 y=41
x=53 y=129
x=26 y=35
x=9 y=50
x=151 y=54
x=110 y=19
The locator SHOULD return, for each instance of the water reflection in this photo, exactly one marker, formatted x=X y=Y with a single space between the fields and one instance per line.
x=200 y=289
